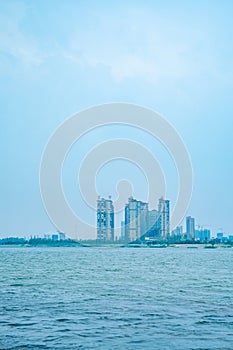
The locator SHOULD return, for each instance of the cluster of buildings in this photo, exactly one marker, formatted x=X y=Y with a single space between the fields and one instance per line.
x=140 y=223
x=222 y=239
x=59 y=236
x=48 y=239
x=192 y=233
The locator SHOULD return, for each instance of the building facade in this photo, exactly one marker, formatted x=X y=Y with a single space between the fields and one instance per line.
x=105 y=219
x=136 y=219
x=122 y=230
x=178 y=232
x=153 y=219
x=190 y=227
x=164 y=218
x=202 y=235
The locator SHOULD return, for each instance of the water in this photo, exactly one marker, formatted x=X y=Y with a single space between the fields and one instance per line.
x=116 y=298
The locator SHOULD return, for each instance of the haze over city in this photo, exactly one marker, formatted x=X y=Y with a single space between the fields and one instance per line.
x=176 y=60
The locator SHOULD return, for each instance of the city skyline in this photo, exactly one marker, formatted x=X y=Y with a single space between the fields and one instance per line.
x=105 y=205
x=140 y=222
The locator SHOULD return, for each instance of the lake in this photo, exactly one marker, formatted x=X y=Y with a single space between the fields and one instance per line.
x=116 y=298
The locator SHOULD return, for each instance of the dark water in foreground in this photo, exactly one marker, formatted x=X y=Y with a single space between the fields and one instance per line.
x=103 y=298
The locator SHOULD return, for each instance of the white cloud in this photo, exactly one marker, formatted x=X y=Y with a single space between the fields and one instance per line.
x=139 y=45
x=13 y=42
x=144 y=49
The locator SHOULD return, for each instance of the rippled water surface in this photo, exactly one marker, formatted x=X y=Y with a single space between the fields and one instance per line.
x=116 y=298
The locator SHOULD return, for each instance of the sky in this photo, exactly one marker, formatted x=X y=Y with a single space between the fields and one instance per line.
x=60 y=57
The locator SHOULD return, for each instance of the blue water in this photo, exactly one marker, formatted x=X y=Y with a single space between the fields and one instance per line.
x=116 y=298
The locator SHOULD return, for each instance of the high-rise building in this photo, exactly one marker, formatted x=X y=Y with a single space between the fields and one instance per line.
x=62 y=236
x=220 y=235
x=136 y=219
x=190 y=227
x=164 y=217
x=105 y=219
x=202 y=235
x=122 y=230
x=177 y=232
x=153 y=226
x=153 y=219
x=55 y=237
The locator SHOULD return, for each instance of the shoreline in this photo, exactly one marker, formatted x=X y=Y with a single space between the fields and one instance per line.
x=138 y=246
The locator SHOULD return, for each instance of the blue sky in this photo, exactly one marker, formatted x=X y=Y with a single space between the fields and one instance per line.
x=59 y=57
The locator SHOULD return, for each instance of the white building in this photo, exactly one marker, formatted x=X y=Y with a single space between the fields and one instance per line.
x=136 y=219
x=164 y=217
x=105 y=219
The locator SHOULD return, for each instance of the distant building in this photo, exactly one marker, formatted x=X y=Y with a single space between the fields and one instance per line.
x=105 y=219
x=153 y=219
x=164 y=217
x=205 y=235
x=190 y=227
x=177 y=232
x=220 y=235
x=62 y=236
x=153 y=227
x=122 y=230
x=55 y=237
x=202 y=235
x=136 y=219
